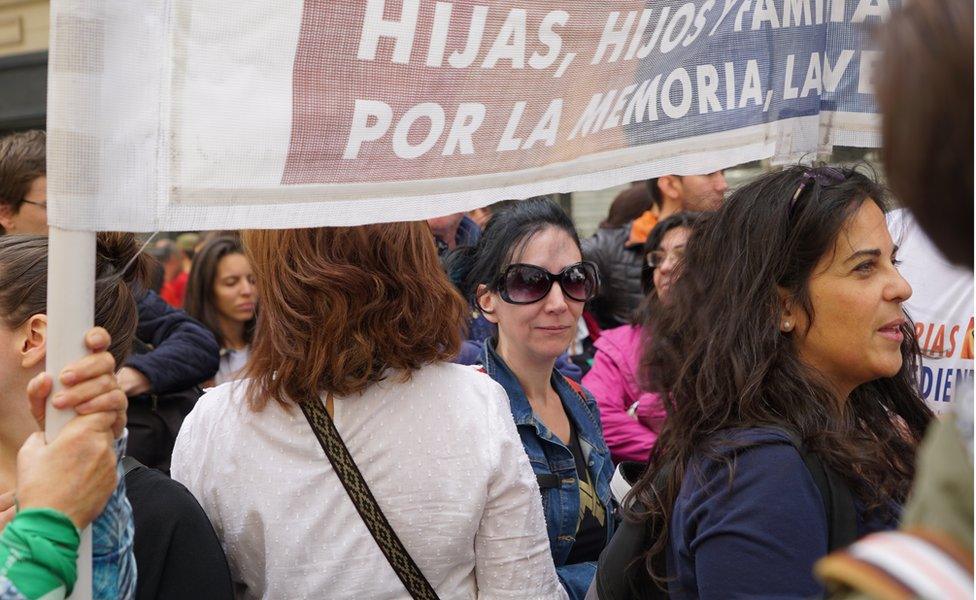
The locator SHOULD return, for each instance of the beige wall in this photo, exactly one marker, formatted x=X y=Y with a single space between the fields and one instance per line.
x=23 y=26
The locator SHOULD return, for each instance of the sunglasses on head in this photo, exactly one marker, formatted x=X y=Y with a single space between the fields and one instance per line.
x=525 y=284
x=822 y=176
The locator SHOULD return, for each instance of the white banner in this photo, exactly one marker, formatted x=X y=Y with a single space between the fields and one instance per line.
x=207 y=114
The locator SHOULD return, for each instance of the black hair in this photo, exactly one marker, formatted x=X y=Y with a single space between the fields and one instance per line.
x=504 y=236
x=656 y=199
x=121 y=271
x=199 y=302
x=656 y=236
x=642 y=313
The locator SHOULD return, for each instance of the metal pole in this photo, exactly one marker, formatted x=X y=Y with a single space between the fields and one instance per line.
x=70 y=313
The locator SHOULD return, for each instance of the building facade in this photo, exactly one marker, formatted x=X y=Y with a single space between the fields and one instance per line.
x=24 y=26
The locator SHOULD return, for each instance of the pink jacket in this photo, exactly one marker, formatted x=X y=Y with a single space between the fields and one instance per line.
x=613 y=382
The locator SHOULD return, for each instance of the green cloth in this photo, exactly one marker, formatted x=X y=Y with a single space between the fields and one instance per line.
x=942 y=495
x=942 y=498
x=39 y=552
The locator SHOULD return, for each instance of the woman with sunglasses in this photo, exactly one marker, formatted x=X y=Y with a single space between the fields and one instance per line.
x=788 y=370
x=632 y=417
x=527 y=276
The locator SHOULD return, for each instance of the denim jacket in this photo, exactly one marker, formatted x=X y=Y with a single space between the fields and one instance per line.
x=553 y=462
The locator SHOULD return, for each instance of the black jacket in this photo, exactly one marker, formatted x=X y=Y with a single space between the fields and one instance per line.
x=184 y=354
x=620 y=275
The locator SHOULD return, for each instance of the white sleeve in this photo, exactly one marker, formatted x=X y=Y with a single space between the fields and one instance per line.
x=512 y=547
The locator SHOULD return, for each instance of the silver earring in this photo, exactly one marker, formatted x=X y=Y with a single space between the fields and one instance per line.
x=787 y=326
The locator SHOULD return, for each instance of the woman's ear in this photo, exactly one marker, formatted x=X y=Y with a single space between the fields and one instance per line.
x=33 y=341
x=6 y=217
x=486 y=302
x=787 y=311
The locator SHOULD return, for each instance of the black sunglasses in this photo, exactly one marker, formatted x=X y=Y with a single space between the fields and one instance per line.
x=525 y=284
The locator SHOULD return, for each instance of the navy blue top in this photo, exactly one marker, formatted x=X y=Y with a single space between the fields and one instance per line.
x=185 y=353
x=759 y=536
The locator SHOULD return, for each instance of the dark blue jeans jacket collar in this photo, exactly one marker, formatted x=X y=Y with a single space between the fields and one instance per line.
x=555 y=467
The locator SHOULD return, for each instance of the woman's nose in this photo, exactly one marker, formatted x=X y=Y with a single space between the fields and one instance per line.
x=899 y=290
x=555 y=300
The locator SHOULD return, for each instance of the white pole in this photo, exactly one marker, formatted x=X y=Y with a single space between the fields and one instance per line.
x=70 y=313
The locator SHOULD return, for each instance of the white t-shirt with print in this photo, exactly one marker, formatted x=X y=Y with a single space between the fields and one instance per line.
x=941 y=307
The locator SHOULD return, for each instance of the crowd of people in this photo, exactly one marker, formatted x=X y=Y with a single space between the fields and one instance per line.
x=410 y=410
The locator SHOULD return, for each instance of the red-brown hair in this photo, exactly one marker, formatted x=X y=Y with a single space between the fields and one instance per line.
x=341 y=305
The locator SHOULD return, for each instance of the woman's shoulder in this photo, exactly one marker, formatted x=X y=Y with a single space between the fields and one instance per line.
x=624 y=337
x=449 y=376
x=222 y=397
x=735 y=440
x=221 y=407
x=759 y=459
x=458 y=390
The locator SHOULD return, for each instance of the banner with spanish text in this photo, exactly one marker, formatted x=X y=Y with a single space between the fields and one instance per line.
x=206 y=114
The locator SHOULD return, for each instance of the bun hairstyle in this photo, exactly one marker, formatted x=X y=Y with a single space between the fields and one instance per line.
x=119 y=267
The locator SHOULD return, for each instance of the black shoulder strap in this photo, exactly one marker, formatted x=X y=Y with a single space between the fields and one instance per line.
x=837 y=497
x=838 y=500
x=364 y=501
x=129 y=464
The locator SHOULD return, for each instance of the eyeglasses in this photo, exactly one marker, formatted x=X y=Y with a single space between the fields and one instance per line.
x=823 y=176
x=525 y=284
x=41 y=204
x=656 y=258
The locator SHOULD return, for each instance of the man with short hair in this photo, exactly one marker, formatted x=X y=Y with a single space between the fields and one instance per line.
x=618 y=252
x=693 y=193
x=23 y=183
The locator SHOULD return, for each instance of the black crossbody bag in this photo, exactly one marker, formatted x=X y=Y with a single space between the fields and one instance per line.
x=364 y=501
